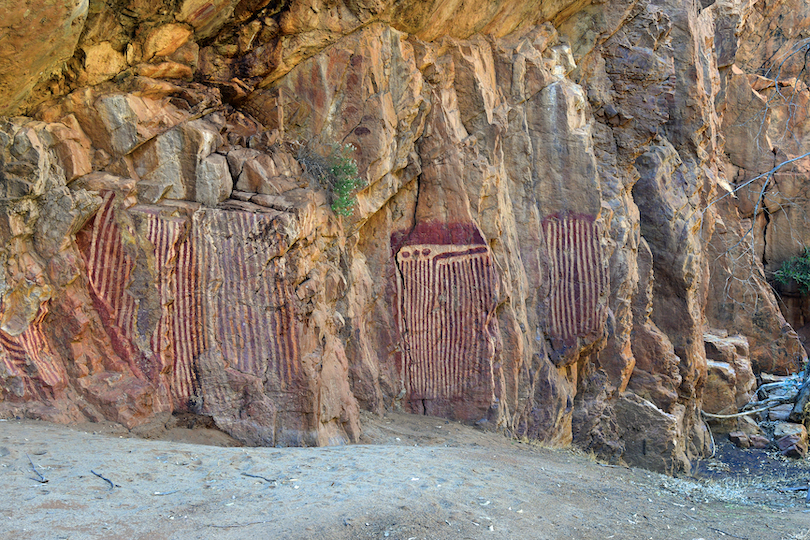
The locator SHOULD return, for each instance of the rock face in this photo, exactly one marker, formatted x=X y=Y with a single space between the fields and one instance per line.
x=537 y=249
x=730 y=383
x=26 y=61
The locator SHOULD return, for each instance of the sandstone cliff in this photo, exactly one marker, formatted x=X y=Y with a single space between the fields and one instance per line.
x=550 y=222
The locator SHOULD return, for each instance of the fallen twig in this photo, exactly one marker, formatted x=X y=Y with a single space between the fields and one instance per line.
x=711 y=436
x=724 y=533
x=42 y=479
x=789 y=383
x=737 y=415
x=112 y=486
x=165 y=492
x=612 y=466
x=238 y=525
x=269 y=480
x=796 y=488
x=770 y=402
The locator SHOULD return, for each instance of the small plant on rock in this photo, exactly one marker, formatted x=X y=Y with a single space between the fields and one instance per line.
x=336 y=172
x=796 y=269
x=344 y=179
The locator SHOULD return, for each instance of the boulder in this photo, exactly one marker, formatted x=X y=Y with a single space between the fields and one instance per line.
x=759 y=442
x=652 y=437
x=730 y=382
x=175 y=163
x=748 y=425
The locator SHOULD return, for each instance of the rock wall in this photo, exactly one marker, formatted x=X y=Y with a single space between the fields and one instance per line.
x=763 y=208
x=547 y=232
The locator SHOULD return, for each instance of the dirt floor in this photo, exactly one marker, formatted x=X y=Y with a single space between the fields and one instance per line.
x=416 y=478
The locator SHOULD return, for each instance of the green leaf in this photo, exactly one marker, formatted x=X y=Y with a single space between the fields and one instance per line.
x=796 y=269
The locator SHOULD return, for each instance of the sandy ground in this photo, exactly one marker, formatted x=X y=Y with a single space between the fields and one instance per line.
x=418 y=478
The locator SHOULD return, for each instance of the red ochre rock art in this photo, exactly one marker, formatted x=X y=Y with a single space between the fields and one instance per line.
x=251 y=307
x=177 y=340
x=26 y=358
x=446 y=301
x=110 y=264
x=250 y=321
x=533 y=151
x=226 y=341
x=578 y=276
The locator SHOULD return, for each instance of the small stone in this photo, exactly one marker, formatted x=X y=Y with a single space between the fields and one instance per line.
x=759 y=442
x=791 y=438
x=780 y=413
x=788 y=428
x=740 y=439
x=747 y=425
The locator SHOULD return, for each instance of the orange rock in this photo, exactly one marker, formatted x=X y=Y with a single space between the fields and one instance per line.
x=73 y=148
x=206 y=16
x=102 y=62
x=551 y=164
x=165 y=70
x=165 y=40
x=25 y=58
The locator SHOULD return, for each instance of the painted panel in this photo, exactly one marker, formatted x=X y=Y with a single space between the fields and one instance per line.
x=447 y=295
x=578 y=276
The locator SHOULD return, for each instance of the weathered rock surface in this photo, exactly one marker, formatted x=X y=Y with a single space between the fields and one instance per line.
x=766 y=126
x=730 y=382
x=791 y=439
x=26 y=60
x=536 y=249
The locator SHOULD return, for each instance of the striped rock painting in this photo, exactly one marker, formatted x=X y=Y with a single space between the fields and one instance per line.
x=578 y=277
x=28 y=357
x=248 y=301
x=220 y=287
x=447 y=296
x=177 y=339
x=109 y=267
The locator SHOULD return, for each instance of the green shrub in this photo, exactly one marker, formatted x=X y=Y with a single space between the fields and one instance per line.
x=344 y=179
x=796 y=269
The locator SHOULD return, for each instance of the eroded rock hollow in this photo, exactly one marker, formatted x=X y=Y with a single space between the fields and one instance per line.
x=548 y=240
